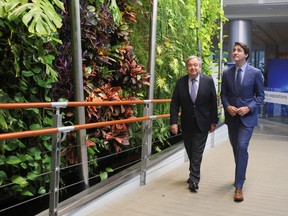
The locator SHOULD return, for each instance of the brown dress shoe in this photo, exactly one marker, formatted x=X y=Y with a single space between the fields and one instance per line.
x=238 y=195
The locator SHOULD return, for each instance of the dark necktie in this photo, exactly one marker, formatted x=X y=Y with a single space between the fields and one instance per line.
x=194 y=90
x=238 y=79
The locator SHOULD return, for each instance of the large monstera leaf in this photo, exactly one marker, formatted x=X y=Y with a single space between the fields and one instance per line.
x=39 y=16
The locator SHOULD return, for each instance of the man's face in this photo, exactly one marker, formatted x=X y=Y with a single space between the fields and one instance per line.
x=193 y=67
x=238 y=54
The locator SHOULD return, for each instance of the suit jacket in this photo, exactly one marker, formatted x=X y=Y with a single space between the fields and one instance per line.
x=204 y=109
x=250 y=94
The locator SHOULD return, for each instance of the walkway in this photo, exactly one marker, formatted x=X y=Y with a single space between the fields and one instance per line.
x=265 y=190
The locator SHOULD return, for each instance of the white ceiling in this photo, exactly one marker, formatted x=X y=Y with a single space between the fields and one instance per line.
x=269 y=19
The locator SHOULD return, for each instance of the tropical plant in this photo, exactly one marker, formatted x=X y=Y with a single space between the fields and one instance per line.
x=110 y=72
x=178 y=32
x=27 y=40
x=36 y=66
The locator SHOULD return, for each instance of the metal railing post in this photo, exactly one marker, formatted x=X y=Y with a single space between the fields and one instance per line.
x=78 y=87
x=145 y=147
x=55 y=169
x=147 y=125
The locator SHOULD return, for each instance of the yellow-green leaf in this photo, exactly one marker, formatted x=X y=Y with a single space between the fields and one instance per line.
x=19 y=180
x=27 y=193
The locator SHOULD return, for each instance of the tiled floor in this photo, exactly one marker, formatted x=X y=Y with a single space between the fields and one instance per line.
x=265 y=190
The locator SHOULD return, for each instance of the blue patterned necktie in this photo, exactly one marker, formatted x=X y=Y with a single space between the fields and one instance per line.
x=238 y=79
x=194 y=89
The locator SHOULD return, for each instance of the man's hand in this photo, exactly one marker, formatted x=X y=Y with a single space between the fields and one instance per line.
x=243 y=110
x=233 y=111
x=212 y=127
x=174 y=128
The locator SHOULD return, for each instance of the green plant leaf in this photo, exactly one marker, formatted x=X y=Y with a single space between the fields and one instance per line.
x=11 y=146
x=32 y=175
x=103 y=176
x=47 y=160
x=27 y=73
x=15 y=49
x=22 y=157
x=109 y=169
x=34 y=164
x=40 y=16
x=115 y=12
x=19 y=97
x=3 y=177
x=35 y=110
x=59 y=4
x=12 y=160
x=91 y=150
x=19 y=180
x=2 y=159
x=34 y=151
x=41 y=190
x=45 y=137
x=24 y=165
x=43 y=83
x=35 y=127
x=3 y=123
x=48 y=121
x=15 y=12
x=27 y=193
x=17 y=188
x=157 y=149
x=47 y=145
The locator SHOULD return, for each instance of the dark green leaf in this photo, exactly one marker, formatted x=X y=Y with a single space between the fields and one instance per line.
x=3 y=177
x=12 y=160
x=45 y=137
x=32 y=175
x=35 y=127
x=2 y=159
x=11 y=146
x=47 y=145
x=27 y=73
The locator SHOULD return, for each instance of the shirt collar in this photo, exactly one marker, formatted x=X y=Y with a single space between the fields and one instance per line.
x=196 y=78
x=243 y=68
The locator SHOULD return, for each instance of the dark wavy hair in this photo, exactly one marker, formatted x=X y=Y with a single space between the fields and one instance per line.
x=245 y=48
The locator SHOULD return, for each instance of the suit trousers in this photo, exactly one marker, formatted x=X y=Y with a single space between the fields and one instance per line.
x=194 y=142
x=239 y=136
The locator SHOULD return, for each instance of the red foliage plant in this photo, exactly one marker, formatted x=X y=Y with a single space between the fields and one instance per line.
x=117 y=134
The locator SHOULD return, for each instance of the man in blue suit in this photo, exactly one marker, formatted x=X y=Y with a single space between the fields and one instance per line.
x=195 y=95
x=242 y=90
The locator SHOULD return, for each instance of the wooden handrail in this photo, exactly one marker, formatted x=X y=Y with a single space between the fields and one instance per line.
x=30 y=133
x=77 y=103
x=13 y=135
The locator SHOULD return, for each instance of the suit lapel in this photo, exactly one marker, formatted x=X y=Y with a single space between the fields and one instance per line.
x=201 y=87
x=247 y=74
x=231 y=78
x=245 y=77
x=186 y=86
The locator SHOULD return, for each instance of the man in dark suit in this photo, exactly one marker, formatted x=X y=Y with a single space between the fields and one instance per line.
x=242 y=90
x=195 y=95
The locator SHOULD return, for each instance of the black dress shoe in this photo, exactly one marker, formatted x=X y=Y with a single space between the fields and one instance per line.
x=188 y=181
x=193 y=186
